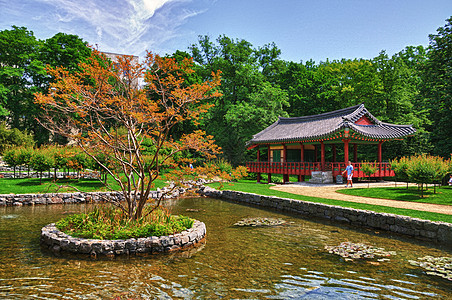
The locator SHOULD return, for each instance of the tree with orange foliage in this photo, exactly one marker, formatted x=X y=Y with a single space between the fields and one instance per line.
x=105 y=111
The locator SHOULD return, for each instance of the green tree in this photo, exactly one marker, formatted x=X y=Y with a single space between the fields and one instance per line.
x=369 y=169
x=24 y=157
x=11 y=158
x=21 y=75
x=247 y=74
x=13 y=138
x=65 y=50
x=41 y=161
x=437 y=88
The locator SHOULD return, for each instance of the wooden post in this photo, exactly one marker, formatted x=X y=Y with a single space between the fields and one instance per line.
x=334 y=153
x=269 y=174
x=285 y=175
x=258 y=163
x=379 y=151
x=355 y=153
x=301 y=177
x=346 y=151
x=322 y=155
x=302 y=152
x=379 y=159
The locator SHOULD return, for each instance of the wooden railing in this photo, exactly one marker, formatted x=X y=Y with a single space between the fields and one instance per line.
x=305 y=168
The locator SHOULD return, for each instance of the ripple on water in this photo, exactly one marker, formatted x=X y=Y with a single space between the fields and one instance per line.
x=338 y=285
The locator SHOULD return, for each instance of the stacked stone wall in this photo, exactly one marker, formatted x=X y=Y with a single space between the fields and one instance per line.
x=58 y=241
x=439 y=232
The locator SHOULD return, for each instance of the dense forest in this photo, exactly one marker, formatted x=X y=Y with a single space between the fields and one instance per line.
x=413 y=86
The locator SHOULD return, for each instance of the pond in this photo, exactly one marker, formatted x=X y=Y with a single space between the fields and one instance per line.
x=279 y=262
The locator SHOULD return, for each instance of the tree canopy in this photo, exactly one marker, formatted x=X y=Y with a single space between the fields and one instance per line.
x=104 y=110
x=412 y=86
x=23 y=60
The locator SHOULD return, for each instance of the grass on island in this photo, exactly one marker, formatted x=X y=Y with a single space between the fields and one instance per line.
x=443 y=195
x=32 y=185
x=111 y=223
x=250 y=186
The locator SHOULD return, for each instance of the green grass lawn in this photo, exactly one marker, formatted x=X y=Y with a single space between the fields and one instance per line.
x=443 y=195
x=250 y=186
x=32 y=185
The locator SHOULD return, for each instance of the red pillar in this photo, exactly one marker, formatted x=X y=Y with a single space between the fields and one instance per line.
x=355 y=153
x=269 y=175
x=258 y=160
x=302 y=152
x=379 y=159
x=285 y=175
x=334 y=153
x=301 y=177
x=346 y=151
x=322 y=155
x=379 y=151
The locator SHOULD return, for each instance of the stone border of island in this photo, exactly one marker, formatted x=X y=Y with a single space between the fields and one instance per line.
x=439 y=232
x=57 y=241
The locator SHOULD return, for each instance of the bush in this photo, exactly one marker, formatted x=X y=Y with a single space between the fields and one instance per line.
x=13 y=138
x=422 y=169
x=369 y=169
x=112 y=224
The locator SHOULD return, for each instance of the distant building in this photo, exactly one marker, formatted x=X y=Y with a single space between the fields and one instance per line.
x=114 y=58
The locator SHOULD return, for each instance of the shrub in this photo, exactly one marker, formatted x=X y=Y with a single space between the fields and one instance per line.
x=424 y=169
x=369 y=169
x=40 y=162
x=13 y=138
x=400 y=168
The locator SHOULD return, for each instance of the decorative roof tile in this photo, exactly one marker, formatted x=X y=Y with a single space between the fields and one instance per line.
x=323 y=125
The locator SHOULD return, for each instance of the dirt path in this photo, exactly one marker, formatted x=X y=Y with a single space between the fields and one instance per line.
x=329 y=191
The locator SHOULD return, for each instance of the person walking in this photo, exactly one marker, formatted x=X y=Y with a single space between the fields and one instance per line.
x=349 y=171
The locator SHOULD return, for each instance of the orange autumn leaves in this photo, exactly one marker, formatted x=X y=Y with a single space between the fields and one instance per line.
x=115 y=107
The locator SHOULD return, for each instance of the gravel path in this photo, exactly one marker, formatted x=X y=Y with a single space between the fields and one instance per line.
x=329 y=191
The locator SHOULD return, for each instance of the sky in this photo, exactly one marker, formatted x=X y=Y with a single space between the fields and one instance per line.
x=301 y=29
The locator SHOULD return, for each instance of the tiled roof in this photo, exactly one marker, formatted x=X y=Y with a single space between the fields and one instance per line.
x=322 y=125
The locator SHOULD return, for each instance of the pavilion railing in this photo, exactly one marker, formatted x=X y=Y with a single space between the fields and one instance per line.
x=305 y=168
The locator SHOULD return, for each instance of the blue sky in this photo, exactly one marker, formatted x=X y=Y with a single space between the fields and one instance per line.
x=303 y=30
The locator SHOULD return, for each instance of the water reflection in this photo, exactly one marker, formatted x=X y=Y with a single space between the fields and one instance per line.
x=283 y=262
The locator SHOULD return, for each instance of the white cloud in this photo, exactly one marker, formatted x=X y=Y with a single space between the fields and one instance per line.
x=129 y=26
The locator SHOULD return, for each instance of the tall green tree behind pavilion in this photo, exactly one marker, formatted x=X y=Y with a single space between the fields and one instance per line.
x=437 y=88
x=251 y=98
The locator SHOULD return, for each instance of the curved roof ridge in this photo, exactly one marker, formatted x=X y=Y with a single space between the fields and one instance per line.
x=331 y=114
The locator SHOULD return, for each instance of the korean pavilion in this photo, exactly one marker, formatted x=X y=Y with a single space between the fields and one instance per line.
x=291 y=144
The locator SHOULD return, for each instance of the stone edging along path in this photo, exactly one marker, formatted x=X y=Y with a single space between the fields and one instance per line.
x=58 y=241
x=439 y=232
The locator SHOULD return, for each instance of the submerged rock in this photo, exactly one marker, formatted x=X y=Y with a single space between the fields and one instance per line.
x=259 y=222
x=350 y=251
x=436 y=266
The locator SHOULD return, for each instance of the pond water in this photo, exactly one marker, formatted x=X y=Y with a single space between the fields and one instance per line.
x=281 y=262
